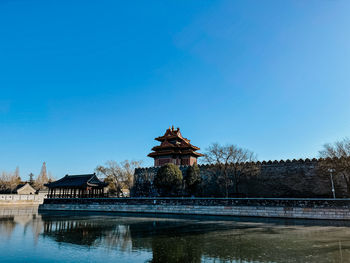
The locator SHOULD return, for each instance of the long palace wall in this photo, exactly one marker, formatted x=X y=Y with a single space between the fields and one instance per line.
x=296 y=178
x=336 y=209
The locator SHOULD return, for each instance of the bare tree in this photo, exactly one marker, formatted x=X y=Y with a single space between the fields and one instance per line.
x=118 y=175
x=15 y=179
x=9 y=181
x=336 y=159
x=3 y=182
x=50 y=177
x=229 y=164
x=42 y=178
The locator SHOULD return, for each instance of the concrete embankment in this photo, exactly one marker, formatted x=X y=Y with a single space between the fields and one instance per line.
x=337 y=209
x=15 y=199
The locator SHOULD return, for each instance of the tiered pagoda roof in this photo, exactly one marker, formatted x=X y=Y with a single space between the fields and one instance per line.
x=172 y=142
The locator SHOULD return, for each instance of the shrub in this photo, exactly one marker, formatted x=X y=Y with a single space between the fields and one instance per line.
x=168 y=180
x=193 y=180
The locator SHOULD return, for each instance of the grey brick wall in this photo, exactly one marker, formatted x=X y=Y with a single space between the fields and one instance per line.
x=295 y=178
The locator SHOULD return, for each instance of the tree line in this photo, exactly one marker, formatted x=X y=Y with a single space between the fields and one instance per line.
x=9 y=181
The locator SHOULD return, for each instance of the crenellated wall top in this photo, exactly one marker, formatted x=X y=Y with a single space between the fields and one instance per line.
x=263 y=163
x=259 y=163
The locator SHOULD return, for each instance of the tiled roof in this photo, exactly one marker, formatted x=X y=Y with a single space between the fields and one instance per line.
x=82 y=180
x=172 y=142
x=172 y=133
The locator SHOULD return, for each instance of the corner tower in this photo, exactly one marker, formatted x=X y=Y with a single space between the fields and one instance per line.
x=174 y=149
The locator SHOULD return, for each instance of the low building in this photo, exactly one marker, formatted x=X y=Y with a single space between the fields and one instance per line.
x=77 y=186
x=25 y=189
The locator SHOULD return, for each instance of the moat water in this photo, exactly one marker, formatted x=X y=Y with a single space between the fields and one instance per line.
x=29 y=236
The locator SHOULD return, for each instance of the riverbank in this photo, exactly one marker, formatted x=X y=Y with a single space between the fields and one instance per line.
x=330 y=209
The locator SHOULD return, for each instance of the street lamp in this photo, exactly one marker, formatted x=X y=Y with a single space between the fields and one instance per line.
x=331 y=171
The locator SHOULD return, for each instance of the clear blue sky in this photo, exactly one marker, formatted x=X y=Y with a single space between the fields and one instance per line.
x=83 y=82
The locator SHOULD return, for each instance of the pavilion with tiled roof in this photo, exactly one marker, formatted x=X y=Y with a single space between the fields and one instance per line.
x=77 y=186
x=174 y=149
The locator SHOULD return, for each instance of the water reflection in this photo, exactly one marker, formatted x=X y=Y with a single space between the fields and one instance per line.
x=26 y=217
x=177 y=239
x=87 y=232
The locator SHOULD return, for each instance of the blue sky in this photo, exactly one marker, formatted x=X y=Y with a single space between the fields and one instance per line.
x=83 y=82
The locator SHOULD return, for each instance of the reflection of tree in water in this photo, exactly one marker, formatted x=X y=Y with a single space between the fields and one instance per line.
x=7 y=225
x=168 y=240
x=176 y=249
x=120 y=238
x=231 y=241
